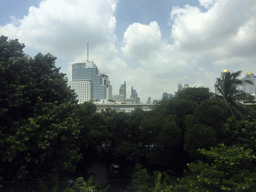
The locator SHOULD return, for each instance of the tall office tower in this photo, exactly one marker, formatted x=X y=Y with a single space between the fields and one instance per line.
x=248 y=88
x=106 y=82
x=122 y=90
x=88 y=81
x=134 y=96
x=180 y=88
x=149 y=100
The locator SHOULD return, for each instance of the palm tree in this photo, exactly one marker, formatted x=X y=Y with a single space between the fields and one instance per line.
x=227 y=89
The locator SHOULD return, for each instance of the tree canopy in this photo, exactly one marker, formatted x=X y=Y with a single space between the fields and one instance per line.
x=38 y=121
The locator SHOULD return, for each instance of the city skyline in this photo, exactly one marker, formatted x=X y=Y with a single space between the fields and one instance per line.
x=152 y=45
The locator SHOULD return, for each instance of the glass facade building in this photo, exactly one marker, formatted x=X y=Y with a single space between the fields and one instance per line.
x=122 y=90
x=99 y=88
x=134 y=96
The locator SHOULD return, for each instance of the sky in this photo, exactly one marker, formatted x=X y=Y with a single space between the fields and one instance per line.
x=151 y=44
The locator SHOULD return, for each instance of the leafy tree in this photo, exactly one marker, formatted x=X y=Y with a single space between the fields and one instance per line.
x=240 y=133
x=81 y=186
x=213 y=113
x=39 y=127
x=168 y=138
x=175 y=110
x=195 y=94
x=199 y=136
x=169 y=134
x=141 y=181
x=227 y=87
x=10 y=49
x=228 y=169
x=190 y=121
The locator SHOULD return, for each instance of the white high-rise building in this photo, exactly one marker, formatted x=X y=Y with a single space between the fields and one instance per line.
x=82 y=89
x=249 y=88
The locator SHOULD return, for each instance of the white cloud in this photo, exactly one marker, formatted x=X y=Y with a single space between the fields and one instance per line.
x=198 y=31
x=206 y=3
x=64 y=26
x=230 y=61
x=141 y=40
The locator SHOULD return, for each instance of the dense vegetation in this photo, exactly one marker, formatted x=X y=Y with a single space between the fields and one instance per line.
x=196 y=141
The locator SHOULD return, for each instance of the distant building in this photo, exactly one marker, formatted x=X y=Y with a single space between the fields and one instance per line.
x=122 y=90
x=155 y=101
x=180 y=88
x=248 y=88
x=82 y=89
x=122 y=94
x=149 y=100
x=224 y=72
x=134 y=96
x=118 y=98
x=186 y=86
x=167 y=95
x=89 y=83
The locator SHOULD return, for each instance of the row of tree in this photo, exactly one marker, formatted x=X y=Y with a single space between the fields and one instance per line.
x=46 y=137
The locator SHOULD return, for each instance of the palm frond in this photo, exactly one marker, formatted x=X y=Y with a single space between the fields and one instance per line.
x=247 y=81
x=236 y=74
x=228 y=89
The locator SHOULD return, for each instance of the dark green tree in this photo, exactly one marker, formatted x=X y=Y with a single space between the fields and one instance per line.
x=199 y=136
x=213 y=113
x=227 y=169
x=195 y=94
x=39 y=127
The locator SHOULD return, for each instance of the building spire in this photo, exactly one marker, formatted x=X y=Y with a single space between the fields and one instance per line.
x=87 y=51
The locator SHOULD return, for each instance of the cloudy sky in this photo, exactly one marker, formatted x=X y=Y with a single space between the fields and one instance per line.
x=151 y=44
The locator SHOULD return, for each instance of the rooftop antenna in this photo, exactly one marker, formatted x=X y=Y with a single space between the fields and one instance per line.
x=87 y=51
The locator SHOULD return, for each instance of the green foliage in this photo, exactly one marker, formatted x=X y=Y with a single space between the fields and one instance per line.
x=81 y=186
x=240 y=133
x=10 y=49
x=194 y=94
x=161 y=186
x=212 y=112
x=176 y=107
x=169 y=134
x=199 y=136
x=229 y=169
x=141 y=181
x=39 y=126
x=190 y=120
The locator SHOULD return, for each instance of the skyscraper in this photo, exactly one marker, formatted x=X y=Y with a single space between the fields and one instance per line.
x=248 y=88
x=122 y=90
x=89 y=83
x=134 y=96
x=180 y=88
x=149 y=100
